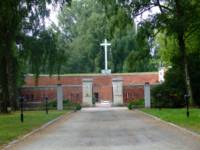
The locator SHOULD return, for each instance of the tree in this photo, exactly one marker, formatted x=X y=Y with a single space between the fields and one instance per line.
x=17 y=19
x=170 y=56
x=143 y=58
x=177 y=18
x=84 y=26
x=43 y=55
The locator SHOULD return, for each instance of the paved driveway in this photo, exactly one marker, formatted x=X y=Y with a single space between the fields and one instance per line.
x=110 y=130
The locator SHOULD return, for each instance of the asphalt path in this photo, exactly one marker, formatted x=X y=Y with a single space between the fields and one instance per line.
x=110 y=129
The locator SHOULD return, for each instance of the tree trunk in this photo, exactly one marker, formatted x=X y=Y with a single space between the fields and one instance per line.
x=11 y=26
x=5 y=73
x=182 y=48
x=186 y=70
x=5 y=87
x=13 y=78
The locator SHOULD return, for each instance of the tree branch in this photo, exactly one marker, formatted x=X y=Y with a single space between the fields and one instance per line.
x=192 y=31
x=158 y=4
x=144 y=10
x=161 y=7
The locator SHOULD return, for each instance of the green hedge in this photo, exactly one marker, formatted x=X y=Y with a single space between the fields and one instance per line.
x=67 y=104
x=139 y=103
x=165 y=97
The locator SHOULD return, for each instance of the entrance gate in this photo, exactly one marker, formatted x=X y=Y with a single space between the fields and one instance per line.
x=102 y=93
x=110 y=92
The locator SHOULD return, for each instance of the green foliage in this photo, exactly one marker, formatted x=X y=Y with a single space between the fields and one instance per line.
x=78 y=107
x=137 y=62
x=168 y=48
x=18 y=19
x=85 y=25
x=179 y=20
x=173 y=89
x=83 y=29
x=52 y=104
x=135 y=104
x=169 y=98
x=43 y=54
x=194 y=61
x=171 y=93
x=67 y=105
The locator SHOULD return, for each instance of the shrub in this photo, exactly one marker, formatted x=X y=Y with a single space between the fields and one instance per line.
x=136 y=104
x=67 y=104
x=52 y=104
x=194 y=67
x=171 y=92
x=165 y=97
x=78 y=107
x=130 y=104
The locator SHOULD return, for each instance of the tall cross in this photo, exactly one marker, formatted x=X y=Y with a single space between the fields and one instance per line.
x=105 y=45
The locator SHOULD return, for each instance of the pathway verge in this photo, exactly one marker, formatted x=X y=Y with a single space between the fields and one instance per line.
x=18 y=140
x=171 y=124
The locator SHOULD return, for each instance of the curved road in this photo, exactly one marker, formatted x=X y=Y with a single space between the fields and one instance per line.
x=110 y=129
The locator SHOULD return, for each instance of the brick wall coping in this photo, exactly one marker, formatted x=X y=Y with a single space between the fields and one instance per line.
x=87 y=80
x=142 y=84
x=97 y=74
x=67 y=85
x=51 y=86
x=39 y=86
x=117 y=79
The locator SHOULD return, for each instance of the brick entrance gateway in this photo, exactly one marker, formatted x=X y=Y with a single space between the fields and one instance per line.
x=102 y=86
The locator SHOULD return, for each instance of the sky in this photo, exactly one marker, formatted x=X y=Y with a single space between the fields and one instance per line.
x=53 y=15
x=146 y=14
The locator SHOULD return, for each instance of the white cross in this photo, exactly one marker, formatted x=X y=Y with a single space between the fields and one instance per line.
x=106 y=44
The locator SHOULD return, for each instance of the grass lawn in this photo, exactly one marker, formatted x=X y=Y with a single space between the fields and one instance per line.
x=178 y=116
x=11 y=127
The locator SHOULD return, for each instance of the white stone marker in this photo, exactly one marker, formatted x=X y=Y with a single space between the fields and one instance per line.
x=105 y=45
x=87 y=92
x=59 y=97
x=117 y=91
x=161 y=74
x=147 y=95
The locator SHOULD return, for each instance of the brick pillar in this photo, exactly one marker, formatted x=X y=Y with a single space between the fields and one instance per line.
x=59 y=97
x=87 y=92
x=117 y=91
x=147 y=95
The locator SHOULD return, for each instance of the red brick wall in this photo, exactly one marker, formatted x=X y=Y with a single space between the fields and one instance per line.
x=38 y=94
x=131 y=93
x=73 y=93
x=102 y=84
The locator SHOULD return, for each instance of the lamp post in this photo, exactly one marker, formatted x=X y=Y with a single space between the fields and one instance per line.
x=46 y=104
x=22 y=109
x=159 y=100
x=187 y=97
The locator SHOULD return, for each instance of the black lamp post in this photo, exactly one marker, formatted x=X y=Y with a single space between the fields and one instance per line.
x=159 y=100
x=22 y=109
x=46 y=104
x=187 y=97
